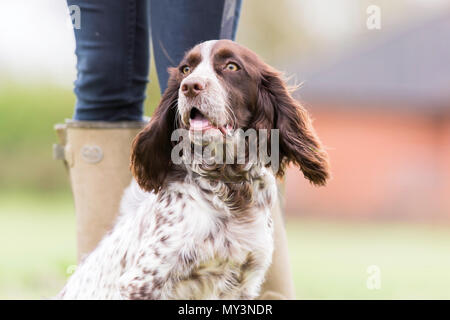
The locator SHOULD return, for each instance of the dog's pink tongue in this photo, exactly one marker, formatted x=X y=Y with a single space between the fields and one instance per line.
x=199 y=122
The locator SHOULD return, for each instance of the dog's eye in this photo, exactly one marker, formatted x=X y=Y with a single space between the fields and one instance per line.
x=232 y=66
x=186 y=69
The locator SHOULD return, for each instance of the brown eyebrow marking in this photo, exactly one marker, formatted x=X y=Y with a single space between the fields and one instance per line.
x=225 y=53
x=193 y=58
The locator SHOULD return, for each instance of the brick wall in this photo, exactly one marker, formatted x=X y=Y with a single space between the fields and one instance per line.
x=384 y=165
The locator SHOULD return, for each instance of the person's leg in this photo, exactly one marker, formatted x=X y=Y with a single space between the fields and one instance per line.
x=279 y=283
x=179 y=25
x=112 y=48
x=176 y=27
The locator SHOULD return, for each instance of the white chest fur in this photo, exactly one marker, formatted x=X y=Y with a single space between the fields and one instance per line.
x=185 y=243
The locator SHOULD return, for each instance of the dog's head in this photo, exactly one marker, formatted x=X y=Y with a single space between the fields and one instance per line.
x=220 y=86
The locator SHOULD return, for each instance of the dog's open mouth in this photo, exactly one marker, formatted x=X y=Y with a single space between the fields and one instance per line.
x=199 y=122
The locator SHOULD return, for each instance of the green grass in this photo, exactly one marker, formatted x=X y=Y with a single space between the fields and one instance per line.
x=27 y=116
x=37 y=236
x=329 y=258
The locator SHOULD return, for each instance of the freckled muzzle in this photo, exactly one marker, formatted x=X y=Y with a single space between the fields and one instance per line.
x=204 y=109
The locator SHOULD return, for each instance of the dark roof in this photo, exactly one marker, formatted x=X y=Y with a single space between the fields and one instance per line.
x=410 y=68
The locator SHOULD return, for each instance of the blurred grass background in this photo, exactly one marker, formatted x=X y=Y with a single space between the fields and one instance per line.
x=329 y=257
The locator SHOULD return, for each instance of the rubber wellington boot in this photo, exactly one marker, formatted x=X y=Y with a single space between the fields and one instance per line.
x=97 y=156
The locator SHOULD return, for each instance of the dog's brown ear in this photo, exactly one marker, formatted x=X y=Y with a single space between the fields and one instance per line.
x=298 y=141
x=150 y=156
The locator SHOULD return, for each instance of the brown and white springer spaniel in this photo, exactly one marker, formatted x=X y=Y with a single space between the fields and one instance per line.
x=202 y=230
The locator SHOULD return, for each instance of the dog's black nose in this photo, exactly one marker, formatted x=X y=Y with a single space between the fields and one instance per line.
x=192 y=87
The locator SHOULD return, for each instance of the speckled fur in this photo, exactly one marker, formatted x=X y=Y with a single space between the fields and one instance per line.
x=183 y=243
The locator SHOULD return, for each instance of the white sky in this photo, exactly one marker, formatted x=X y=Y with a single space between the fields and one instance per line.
x=36 y=41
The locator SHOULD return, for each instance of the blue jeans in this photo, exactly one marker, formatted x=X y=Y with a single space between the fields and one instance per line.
x=113 y=52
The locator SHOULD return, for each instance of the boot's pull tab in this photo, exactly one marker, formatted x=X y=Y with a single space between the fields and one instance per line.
x=58 y=152
x=91 y=153
x=62 y=150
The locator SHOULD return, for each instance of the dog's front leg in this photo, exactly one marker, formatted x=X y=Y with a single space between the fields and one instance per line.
x=149 y=276
x=138 y=284
x=159 y=263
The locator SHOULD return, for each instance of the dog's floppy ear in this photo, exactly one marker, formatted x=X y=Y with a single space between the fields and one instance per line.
x=150 y=156
x=298 y=141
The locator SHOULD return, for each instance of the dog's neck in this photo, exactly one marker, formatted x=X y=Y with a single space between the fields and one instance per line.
x=238 y=187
